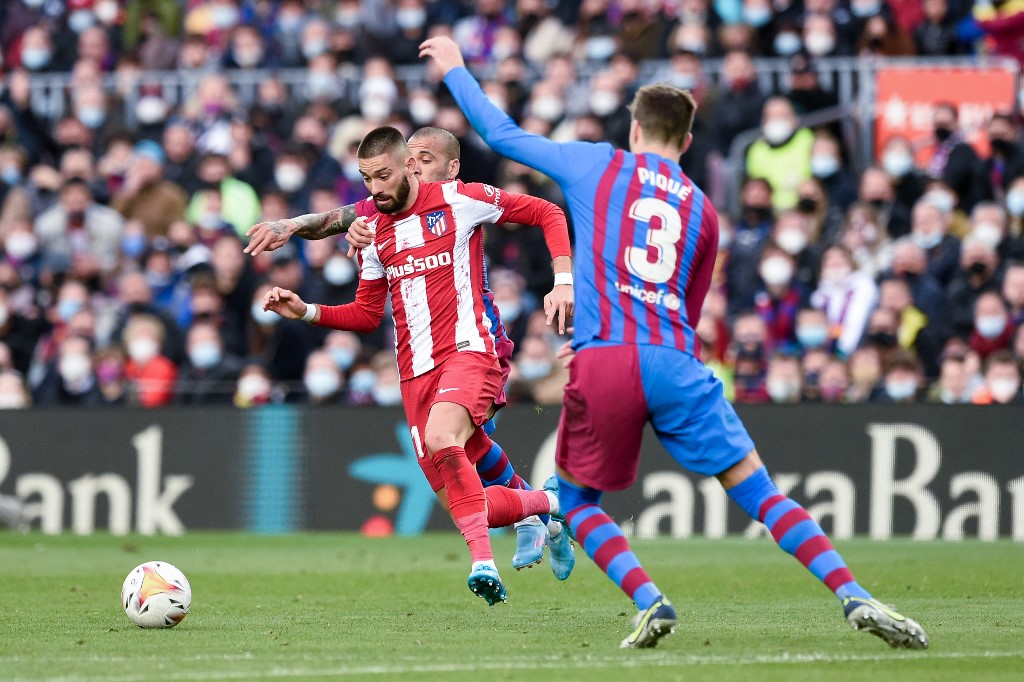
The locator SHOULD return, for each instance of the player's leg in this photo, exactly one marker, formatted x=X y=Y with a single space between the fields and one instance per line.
x=701 y=430
x=598 y=450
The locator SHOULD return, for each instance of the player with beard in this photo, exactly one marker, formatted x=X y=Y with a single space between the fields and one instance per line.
x=437 y=153
x=428 y=252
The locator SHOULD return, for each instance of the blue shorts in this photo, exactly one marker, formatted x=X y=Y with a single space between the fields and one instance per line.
x=615 y=390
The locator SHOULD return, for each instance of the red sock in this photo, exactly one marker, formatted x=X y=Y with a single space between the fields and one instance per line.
x=506 y=506
x=465 y=499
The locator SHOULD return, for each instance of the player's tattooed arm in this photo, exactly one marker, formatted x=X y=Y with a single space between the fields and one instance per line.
x=274 y=235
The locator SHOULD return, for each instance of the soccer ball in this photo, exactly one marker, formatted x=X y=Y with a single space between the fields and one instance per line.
x=156 y=595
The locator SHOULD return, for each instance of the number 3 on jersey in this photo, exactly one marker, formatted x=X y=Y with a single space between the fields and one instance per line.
x=663 y=239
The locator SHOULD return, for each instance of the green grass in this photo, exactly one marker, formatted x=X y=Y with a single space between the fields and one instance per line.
x=332 y=605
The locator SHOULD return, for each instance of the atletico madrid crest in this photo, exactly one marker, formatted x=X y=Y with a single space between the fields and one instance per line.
x=437 y=223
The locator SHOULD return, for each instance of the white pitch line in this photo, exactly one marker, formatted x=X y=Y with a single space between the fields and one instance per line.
x=646 y=659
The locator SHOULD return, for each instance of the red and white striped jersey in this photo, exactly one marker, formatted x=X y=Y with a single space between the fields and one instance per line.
x=432 y=258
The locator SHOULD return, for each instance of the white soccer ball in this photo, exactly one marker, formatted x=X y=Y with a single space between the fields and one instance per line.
x=156 y=595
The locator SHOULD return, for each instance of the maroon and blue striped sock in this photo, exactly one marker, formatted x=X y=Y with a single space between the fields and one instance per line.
x=604 y=542
x=796 y=532
x=496 y=469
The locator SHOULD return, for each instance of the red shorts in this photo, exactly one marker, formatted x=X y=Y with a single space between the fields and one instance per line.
x=470 y=379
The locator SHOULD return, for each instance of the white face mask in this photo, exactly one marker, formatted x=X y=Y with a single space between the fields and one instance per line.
x=824 y=166
x=150 y=110
x=781 y=390
x=777 y=130
x=75 y=368
x=940 y=200
x=339 y=271
x=926 y=241
x=410 y=18
x=289 y=177
x=901 y=389
x=1003 y=390
x=205 y=355
x=990 y=326
x=387 y=394
x=363 y=381
x=776 y=271
x=375 y=108
x=1015 y=202
x=142 y=350
x=21 y=245
x=106 y=11
x=603 y=102
x=787 y=43
x=531 y=370
x=422 y=111
x=253 y=386
x=12 y=401
x=836 y=274
x=263 y=317
x=792 y=241
x=897 y=163
x=819 y=44
x=988 y=233
x=322 y=382
x=547 y=108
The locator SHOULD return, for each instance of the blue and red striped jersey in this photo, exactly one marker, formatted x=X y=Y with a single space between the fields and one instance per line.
x=646 y=236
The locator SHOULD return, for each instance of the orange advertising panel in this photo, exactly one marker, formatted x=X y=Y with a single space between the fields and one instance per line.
x=906 y=95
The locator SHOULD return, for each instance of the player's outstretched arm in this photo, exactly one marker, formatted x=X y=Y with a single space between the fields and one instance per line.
x=564 y=162
x=271 y=236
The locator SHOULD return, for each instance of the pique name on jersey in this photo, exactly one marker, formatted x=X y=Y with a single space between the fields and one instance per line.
x=664 y=183
x=656 y=297
x=412 y=265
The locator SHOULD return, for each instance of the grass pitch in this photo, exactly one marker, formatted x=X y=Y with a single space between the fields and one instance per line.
x=310 y=607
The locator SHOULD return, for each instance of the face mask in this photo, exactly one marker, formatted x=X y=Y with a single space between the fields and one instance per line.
x=74 y=368
x=253 y=386
x=787 y=43
x=322 y=85
x=724 y=240
x=314 y=48
x=67 y=308
x=792 y=241
x=901 y=389
x=603 y=102
x=776 y=271
x=33 y=3
x=81 y=19
x=10 y=174
x=265 y=318
x=150 y=110
x=865 y=8
x=897 y=163
x=92 y=117
x=106 y=11
x=882 y=339
x=21 y=246
x=12 y=401
x=322 y=382
x=363 y=381
x=248 y=58
x=812 y=335
x=339 y=271
x=510 y=310
x=990 y=326
x=832 y=394
x=988 y=233
x=780 y=390
x=531 y=370
x=289 y=177
x=756 y=16
x=694 y=46
x=824 y=166
x=683 y=81
x=204 y=355
x=347 y=18
x=142 y=350
x=547 y=108
x=390 y=394
x=1003 y=390
x=600 y=48
x=132 y=245
x=351 y=171
x=836 y=274
x=343 y=357
x=819 y=44
x=422 y=111
x=159 y=280
x=777 y=131
x=375 y=108
x=940 y=200
x=224 y=16
x=943 y=133
x=410 y=18
x=926 y=241
x=33 y=58
x=1015 y=202
x=807 y=205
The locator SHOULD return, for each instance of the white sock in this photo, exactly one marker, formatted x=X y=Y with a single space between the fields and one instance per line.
x=477 y=565
x=555 y=508
x=554 y=528
x=528 y=521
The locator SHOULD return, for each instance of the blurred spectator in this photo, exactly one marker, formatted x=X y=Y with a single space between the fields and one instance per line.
x=1003 y=26
x=780 y=298
x=1013 y=292
x=254 y=387
x=847 y=296
x=110 y=377
x=792 y=232
x=876 y=188
x=1006 y=161
x=908 y=181
x=865 y=375
x=150 y=374
x=749 y=358
x=953 y=386
x=70 y=380
x=14 y=394
x=1002 y=381
x=834 y=381
x=783 y=379
x=145 y=195
x=870 y=246
x=240 y=205
x=975 y=276
x=387 y=391
x=992 y=330
x=806 y=92
x=739 y=107
x=783 y=155
x=281 y=344
x=936 y=35
x=953 y=160
x=812 y=330
x=323 y=380
x=902 y=378
x=80 y=232
x=828 y=167
x=929 y=232
x=18 y=334
x=882 y=37
x=208 y=375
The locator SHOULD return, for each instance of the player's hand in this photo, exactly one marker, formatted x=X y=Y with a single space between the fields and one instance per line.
x=285 y=303
x=444 y=51
x=359 y=236
x=559 y=304
x=269 y=236
x=566 y=353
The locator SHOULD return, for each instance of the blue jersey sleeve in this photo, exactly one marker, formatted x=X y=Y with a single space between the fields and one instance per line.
x=564 y=162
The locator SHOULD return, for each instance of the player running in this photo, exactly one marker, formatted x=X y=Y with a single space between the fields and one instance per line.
x=437 y=155
x=428 y=252
x=646 y=241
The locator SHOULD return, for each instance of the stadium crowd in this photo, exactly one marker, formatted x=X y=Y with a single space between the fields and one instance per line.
x=122 y=278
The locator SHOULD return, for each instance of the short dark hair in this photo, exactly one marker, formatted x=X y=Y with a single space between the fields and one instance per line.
x=382 y=140
x=452 y=148
x=664 y=112
x=1001 y=357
